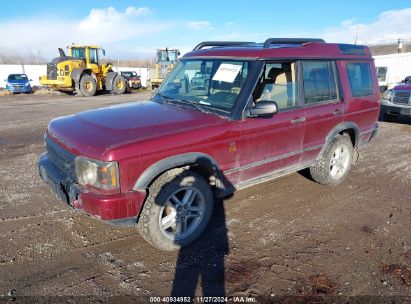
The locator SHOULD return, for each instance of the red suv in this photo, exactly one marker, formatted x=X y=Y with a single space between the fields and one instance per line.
x=261 y=110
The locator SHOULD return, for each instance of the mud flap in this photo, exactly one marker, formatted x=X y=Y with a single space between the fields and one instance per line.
x=109 y=80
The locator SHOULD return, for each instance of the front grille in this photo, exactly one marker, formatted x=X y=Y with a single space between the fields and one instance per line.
x=401 y=97
x=51 y=71
x=61 y=158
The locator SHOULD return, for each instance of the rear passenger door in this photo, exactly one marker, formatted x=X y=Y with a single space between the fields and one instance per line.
x=323 y=103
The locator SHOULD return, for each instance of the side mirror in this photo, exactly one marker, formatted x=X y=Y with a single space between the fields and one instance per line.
x=104 y=52
x=264 y=108
x=31 y=80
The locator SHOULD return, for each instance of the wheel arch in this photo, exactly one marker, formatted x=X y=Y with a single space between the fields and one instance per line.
x=349 y=127
x=77 y=73
x=204 y=164
x=109 y=80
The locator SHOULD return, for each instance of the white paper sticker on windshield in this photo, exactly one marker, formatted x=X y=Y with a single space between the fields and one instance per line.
x=227 y=72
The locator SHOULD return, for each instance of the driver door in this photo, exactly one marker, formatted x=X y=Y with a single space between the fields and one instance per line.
x=270 y=144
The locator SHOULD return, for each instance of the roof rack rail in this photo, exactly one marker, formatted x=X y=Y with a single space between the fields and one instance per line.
x=219 y=43
x=271 y=41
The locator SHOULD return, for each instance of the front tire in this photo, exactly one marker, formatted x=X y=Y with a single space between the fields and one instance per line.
x=87 y=86
x=335 y=163
x=177 y=210
x=119 y=85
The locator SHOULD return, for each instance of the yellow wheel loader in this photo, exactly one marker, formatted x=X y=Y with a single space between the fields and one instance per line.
x=81 y=72
x=166 y=60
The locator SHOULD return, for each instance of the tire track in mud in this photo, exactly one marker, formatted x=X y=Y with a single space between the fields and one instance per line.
x=29 y=217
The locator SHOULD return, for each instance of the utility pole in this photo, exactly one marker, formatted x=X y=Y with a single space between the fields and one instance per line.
x=118 y=58
x=356 y=35
x=400 y=45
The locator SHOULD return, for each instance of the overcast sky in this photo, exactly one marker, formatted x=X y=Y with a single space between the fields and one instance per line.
x=136 y=28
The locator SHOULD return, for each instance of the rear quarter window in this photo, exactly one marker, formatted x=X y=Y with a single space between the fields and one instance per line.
x=359 y=74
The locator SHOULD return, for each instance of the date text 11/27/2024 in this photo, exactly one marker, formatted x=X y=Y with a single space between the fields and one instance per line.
x=235 y=299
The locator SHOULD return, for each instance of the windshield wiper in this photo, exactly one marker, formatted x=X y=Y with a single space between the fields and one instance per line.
x=192 y=103
x=164 y=97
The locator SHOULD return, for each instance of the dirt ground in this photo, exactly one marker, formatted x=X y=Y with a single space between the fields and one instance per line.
x=286 y=237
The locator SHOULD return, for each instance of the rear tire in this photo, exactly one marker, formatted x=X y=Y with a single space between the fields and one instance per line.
x=87 y=86
x=177 y=210
x=119 y=85
x=335 y=163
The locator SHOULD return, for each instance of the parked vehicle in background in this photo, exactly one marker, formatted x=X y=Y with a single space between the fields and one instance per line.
x=132 y=79
x=83 y=72
x=397 y=101
x=18 y=83
x=391 y=69
x=263 y=111
x=166 y=60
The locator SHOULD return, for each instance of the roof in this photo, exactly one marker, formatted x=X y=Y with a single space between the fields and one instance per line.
x=281 y=48
x=83 y=46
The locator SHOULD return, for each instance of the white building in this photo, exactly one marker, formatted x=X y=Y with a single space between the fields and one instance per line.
x=392 y=68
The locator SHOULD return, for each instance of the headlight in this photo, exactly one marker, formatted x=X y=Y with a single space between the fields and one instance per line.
x=27 y=84
x=103 y=175
x=9 y=84
x=389 y=94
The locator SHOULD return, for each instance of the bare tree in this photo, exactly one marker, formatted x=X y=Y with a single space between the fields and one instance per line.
x=9 y=56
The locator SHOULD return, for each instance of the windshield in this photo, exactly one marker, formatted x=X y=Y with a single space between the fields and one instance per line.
x=166 y=56
x=79 y=53
x=129 y=74
x=17 y=77
x=212 y=84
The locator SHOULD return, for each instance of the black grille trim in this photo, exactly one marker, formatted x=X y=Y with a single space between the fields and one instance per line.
x=61 y=158
x=401 y=97
x=51 y=71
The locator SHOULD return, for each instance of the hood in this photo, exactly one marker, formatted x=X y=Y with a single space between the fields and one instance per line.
x=403 y=87
x=92 y=133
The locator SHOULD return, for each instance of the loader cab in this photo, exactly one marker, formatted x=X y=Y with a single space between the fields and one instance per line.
x=166 y=56
x=90 y=54
x=78 y=52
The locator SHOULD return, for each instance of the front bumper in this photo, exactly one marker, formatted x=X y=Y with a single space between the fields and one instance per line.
x=18 y=89
x=134 y=84
x=119 y=209
x=396 y=109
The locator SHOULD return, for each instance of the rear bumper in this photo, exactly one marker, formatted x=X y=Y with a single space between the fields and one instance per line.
x=61 y=81
x=119 y=209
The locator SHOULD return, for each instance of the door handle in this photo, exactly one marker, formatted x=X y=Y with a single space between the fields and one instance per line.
x=337 y=112
x=298 y=120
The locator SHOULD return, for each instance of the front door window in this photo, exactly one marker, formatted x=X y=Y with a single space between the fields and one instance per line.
x=278 y=83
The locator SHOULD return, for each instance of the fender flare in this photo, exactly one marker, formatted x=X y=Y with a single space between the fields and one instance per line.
x=109 y=80
x=337 y=129
x=186 y=159
x=76 y=74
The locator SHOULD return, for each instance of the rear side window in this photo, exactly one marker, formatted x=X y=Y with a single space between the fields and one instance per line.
x=359 y=74
x=319 y=82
